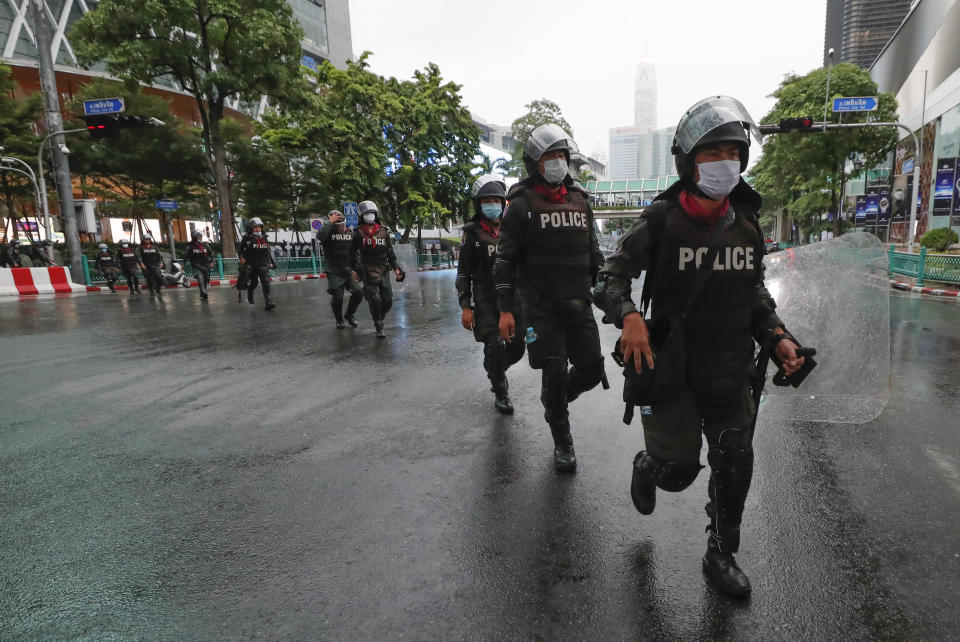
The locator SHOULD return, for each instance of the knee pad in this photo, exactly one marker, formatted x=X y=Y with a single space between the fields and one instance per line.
x=674 y=477
x=733 y=446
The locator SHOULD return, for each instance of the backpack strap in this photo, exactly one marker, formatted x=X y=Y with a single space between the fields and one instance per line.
x=656 y=217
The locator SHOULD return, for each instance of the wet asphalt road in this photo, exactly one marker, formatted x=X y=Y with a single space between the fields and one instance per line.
x=175 y=470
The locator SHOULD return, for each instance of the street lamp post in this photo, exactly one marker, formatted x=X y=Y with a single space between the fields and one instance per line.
x=43 y=186
x=826 y=102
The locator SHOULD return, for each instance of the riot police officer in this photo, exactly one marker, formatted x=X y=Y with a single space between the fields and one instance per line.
x=256 y=258
x=335 y=240
x=107 y=266
x=477 y=296
x=548 y=251
x=701 y=248
x=11 y=255
x=129 y=261
x=373 y=258
x=201 y=258
x=150 y=263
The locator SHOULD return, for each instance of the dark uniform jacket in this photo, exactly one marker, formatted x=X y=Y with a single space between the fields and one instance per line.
x=478 y=253
x=10 y=257
x=150 y=256
x=105 y=261
x=669 y=245
x=255 y=250
x=128 y=259
x=199 y=254
x=372 y=252
x=549 y=249
x=336 y=241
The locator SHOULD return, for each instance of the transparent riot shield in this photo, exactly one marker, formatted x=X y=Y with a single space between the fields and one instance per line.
x=834 y=296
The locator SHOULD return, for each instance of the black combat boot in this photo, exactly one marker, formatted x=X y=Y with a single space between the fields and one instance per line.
x=268 y=303
x=564 y=456
x=643 y=484
x=250 y=297
x=722 y=570
x=352 y=304
x=380 y=333
x=502 y=402
x=336 y=304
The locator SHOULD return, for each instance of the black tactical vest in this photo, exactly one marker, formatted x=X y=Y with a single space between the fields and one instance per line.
x=373 y=249
x=197 y=254
x=128 y=259
x=104 y=260
x=484 y=253
x=723 y=308
x=336 y=248
x=150 y=256
x=255 y=250
x=556 y=246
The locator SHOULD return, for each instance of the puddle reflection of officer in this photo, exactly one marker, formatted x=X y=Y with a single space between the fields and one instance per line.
x=477 y=295
x=549 y=252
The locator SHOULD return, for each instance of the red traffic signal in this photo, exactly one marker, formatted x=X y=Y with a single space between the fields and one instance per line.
x=799 y=124
x=109 y=125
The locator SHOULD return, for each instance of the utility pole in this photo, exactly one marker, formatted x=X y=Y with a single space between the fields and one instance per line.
x=54 y=121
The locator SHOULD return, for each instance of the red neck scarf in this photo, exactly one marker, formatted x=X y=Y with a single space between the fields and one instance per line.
x=491 y=230
x=368 y=232
x=698 y=213
x=559 y=196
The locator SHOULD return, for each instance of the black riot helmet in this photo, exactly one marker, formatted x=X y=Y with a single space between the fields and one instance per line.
x=14 y=242
x=254 y=222
x=487 y=185
x=543 y=139
x=197 y=235
x=717 y=119
x=147 y=239
x=124 y=243
x=103 y=247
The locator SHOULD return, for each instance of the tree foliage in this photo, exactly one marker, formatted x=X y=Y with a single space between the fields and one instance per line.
x=539 y=112
x=215 y=50
x=19 y=140
x=802 y=172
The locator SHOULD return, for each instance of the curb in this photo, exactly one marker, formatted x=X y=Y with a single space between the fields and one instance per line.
x=906 y=287
x=216 y=282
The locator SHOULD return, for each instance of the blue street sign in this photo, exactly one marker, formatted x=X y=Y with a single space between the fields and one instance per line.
x=351 y=213
x=862 y=103
x=102 y=106
x=168 y=205
x=908 y=166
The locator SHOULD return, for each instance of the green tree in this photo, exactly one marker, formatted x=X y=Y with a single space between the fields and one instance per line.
x=539 y=112
x=138 y=165
x=215 y=50
x=802 y=172
x=17 y=137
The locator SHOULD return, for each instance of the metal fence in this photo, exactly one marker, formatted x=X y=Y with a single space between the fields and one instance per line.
x=923 y=266
x=436 y=261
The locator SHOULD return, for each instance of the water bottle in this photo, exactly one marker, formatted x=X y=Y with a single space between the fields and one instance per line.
x=645 y=411
x=531 y=335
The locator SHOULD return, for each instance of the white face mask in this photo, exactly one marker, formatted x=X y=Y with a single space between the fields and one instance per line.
x=369 y=218
x=718 y=178
x=555 y=170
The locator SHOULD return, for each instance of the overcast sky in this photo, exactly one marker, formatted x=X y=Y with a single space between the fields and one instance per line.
x=582 y=54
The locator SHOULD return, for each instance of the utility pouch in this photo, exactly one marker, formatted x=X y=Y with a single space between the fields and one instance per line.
x=650 y=386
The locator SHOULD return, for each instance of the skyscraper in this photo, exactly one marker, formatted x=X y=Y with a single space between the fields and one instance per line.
x=645 y=95
x=858 y=29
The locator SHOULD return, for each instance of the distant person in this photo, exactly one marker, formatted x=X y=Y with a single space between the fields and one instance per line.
x=335 y=240
x=11 y=255
x=129 y=262
x=477 y=297
x=255 y=256
x=373 y=258
x=151 y=262
x=200 y=257
x=107 y=266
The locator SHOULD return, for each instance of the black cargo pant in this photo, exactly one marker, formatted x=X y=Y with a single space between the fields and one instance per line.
x=340 y=279
x=558 y=331
x=133 y=280
x=202 y=272
x=717 y=404
x=263 y=274
x=378 y=291
x=497 y=355
x=153 y=277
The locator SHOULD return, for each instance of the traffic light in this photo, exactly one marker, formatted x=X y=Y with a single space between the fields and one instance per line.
x=109 y=125
x=800 y=124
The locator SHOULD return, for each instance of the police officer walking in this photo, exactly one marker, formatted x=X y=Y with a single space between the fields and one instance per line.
x=107 y=266
x=548 y=251
x=255 y=256
x=150 y=262
x=11 y=255
x=336 y=240
x=477 y=296
x=373 y=258
x=201 y=258
x=701 y=248
x=129 y=261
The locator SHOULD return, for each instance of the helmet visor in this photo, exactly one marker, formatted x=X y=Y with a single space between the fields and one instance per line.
x=546 y=137
x=489 y=185
x=709 y=114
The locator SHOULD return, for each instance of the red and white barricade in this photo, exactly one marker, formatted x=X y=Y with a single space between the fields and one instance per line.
x=28 y=281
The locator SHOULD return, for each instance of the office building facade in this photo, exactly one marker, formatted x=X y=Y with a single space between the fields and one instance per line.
x=857 y=30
